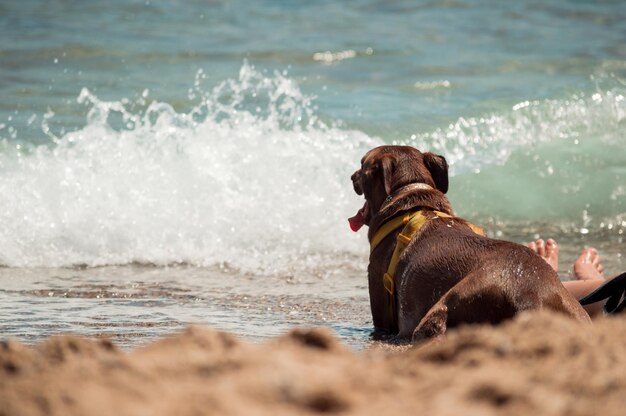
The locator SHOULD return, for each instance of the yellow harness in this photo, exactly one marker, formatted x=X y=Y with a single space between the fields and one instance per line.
x=412 y=223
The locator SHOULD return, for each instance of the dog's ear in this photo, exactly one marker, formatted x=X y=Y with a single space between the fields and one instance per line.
x=388 y=165
x=438 y=168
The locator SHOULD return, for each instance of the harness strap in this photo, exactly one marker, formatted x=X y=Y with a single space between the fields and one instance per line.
x=412 y=223
x=392 y=225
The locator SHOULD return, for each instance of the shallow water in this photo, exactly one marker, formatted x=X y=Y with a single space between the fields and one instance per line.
x=163 y=165
x=135 y=304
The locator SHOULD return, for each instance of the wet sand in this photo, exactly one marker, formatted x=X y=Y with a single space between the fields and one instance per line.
x=539 y=363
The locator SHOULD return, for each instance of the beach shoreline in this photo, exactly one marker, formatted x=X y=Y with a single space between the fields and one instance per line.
x=166 y=167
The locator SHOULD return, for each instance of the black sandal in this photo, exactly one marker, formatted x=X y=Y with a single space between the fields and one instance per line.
x=614 y=290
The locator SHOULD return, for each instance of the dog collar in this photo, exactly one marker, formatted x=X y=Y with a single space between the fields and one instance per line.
x=411 y=187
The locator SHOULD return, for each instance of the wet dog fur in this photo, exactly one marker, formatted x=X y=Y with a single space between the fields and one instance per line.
x=447 y=275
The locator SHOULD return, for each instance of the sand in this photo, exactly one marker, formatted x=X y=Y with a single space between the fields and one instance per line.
x=538 y=363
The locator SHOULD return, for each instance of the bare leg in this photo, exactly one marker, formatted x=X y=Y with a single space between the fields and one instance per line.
x=548 y=250
x=587 y=266
x=588 y=272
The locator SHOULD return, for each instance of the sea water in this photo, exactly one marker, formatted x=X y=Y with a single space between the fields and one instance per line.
x=166 y=163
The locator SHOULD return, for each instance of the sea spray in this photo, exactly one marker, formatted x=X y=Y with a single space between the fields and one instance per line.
x=248 y=178
x=557 y=161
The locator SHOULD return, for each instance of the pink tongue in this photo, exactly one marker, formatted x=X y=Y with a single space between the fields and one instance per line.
x=358 y=221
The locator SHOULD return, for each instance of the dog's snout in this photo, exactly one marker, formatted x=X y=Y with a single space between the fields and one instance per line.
x=356 y=182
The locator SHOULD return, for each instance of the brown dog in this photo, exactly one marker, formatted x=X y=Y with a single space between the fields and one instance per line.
x=448 y=273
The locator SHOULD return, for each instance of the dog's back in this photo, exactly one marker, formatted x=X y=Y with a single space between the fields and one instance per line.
x=477 y=279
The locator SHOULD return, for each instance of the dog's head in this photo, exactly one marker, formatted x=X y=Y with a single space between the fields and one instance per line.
x=386 y=170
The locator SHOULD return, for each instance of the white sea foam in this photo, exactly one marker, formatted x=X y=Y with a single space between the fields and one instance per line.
x=558 y=161
x=474 y=142
x=248 y=178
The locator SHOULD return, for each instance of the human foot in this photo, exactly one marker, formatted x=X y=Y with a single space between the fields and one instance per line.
x=548 y=250
x=587 y=266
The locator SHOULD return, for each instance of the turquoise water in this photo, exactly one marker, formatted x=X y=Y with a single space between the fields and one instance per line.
x=221 y=136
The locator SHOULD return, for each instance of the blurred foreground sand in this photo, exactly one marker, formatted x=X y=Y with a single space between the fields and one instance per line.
x=539 y=363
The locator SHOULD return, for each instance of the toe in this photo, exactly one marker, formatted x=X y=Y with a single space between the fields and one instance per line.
x=587 y=266
x=595 y=259
x=541 y=248
x=552 y=248
x=588 y=255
